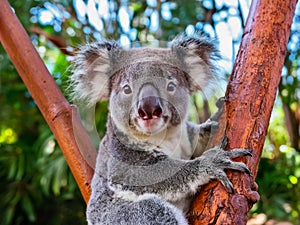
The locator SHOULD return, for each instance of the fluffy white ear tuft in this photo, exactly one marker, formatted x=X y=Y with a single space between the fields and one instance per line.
x=90 y=77
x=197 y=54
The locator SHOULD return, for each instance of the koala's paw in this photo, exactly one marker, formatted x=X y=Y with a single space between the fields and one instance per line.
x=207 y=127
x=220 y=160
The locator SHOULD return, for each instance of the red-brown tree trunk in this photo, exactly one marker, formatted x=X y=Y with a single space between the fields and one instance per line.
x=250 y=97
x=62 y=118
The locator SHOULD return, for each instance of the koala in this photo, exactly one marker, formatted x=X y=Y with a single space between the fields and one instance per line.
x=151 y=160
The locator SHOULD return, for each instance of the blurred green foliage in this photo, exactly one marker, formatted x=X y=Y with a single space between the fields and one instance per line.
x=36 y=185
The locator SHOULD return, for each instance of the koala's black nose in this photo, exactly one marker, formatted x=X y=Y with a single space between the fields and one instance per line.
x=149 y=104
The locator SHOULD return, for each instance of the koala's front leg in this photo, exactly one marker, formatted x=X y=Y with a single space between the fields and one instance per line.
x=173 y=179
x=200 y=135
x=212 y=163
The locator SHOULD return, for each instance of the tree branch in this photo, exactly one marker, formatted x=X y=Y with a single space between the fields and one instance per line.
x=249 y=101
x=58 y=41
x=62 y=118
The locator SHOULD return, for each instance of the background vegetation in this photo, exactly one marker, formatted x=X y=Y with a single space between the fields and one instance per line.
x=36 y=186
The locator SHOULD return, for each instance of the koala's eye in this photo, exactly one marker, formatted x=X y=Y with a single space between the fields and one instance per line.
x=171 y=87
x=127 y=90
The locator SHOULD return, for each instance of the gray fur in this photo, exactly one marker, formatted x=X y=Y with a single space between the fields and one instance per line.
x=151 y=160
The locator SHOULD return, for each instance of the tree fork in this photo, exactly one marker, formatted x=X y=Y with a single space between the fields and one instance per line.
x=62 y=118
x=249 y=100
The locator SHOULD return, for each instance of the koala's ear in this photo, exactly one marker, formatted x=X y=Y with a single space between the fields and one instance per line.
x=197 y=55
x=91 y=66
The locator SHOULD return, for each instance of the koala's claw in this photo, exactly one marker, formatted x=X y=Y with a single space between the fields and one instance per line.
x=221 y=160
x=247 y=171
x=237 y=152
x=222 y=177
x=228 y=186
x=238 y=165
x=248 y=153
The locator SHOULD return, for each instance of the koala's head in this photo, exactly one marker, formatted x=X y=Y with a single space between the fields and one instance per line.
x=148 y=88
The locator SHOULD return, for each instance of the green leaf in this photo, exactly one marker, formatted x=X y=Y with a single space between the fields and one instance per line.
x=28 y=208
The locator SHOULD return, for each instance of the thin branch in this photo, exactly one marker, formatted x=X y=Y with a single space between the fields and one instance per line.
x=58 y=41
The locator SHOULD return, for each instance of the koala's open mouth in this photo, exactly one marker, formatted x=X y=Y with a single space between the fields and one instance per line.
x=152 y=125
